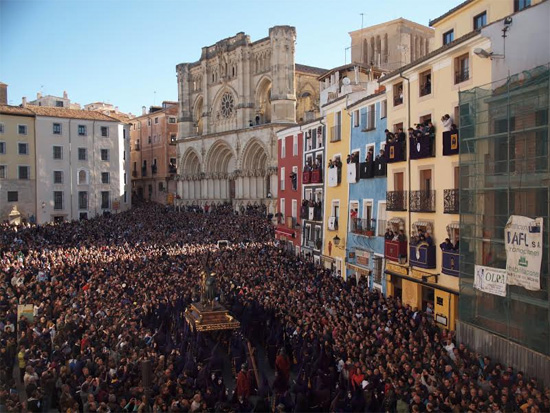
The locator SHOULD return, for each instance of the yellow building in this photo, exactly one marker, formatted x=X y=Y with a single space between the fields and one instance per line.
x=423 y=174
x=17 y=162
x=340 y=87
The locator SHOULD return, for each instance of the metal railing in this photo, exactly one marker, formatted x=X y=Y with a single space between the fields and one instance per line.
x=462 y=76
x=362 y=226
x=396 y=200
x=451 y=201
x=422 y=201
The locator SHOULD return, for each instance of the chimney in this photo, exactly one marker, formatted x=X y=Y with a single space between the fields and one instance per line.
x=116 y=109
x=65 y=96
x=3 y=94
x=38 y=95
x=24 y=102
x=143 y=110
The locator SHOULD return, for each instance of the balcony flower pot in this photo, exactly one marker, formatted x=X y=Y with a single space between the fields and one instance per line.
x=369 y=233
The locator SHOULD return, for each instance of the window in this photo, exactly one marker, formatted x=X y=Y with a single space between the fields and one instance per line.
x=171 y=119
x=125 y=197
x=366 y=214
x=480 y=20
x=57 y=128
x=23 y=148
x=58 y=103
x=57 y=177
x=383 y=109
x=2 y=147
x=105 y=177
x=398 y=94
x=104 y=131
x=22 y=129
x=355 y=118
x=1 y=128
x=81 y=130
x=3 y=171
x=82 y=177
x=156 y=120
x=295 y=145
x=371 y=123
x=462 y=68
x=82 y=200
x=58 y=152
x=425 y=83
x=519 y=5
x=282 y=211
x=148 y=122
x=294 y=208
x=283 y=178
x=161 y=186
x=149 y=140
x=124 y=178
x=82 y=154
x=24 y=172
x=13 y=196
x=283 y=148
x=381 y=219
x=294 y=178
x=83 y=215
x=57 y=200
x=105 y=199
x=105 y=154
x=448 y=37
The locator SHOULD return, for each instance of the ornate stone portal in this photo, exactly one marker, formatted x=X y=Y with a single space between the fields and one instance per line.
x=231 y=104
x=208 y=314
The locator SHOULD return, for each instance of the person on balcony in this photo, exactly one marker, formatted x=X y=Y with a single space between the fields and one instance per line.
x=456 y=245
x=401 y=137
x=428 y=239
x=390 y=137
x=447 y=245
x=401 y=237
x=388 y=235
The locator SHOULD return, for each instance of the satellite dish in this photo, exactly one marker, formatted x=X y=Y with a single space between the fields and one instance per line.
x=346 y=81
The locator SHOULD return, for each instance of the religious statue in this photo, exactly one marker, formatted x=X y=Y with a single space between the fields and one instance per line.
x=208 y=289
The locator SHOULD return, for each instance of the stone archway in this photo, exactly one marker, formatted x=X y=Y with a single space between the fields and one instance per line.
x=190 y=166
x=220 y=162
x=263 y=102
x=254 y=164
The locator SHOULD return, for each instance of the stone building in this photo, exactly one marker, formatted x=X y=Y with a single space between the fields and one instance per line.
x=231 y=104
x=390 y=45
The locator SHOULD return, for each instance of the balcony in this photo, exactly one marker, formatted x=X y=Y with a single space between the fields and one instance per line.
x=450 y=264
x=134 y=174
x=143 y=171
x=422 y=201
x=314 y=244
x=462 y=76
x=367 y=170
x=450 y=143
x=291 y=222
x=396 y=200
x=172 y=169
x=395 y=251
x=335 y=133
x=421 y=147
x=362 y=226
x=316 y=176
x=397 y=100
x=422 y=255
x=395 y=152
x=451 y=201
x=334 y=176
x=333 y=223
x=154 y=169
x=306 y=177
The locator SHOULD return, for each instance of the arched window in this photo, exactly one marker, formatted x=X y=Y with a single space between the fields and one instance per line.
x=82 y=177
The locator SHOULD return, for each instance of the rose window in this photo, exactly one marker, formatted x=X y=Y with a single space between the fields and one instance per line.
x=227 y=105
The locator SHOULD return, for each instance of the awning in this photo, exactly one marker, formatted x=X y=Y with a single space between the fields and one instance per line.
x=397 y=221
x=429 y=226
x=453 y=225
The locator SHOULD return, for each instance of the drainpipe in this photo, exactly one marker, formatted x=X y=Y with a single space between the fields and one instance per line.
x=408 y=154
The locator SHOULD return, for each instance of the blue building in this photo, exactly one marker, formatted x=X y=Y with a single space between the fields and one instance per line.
x=366 y=177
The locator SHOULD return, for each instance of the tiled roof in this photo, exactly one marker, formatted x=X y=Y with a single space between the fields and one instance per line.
x=70 y=113
x=344 y=67
x=461 y=5
x=430 y=55
x=309 y=69
x=382 y=92
x=15 y=110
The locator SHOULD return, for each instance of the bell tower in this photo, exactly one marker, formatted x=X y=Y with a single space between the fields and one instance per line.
x=283 y=92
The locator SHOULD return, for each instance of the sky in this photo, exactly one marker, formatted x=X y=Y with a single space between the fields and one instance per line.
x=124 y=52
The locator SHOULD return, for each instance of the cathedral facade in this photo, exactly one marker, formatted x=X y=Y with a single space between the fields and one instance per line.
x=232 y=102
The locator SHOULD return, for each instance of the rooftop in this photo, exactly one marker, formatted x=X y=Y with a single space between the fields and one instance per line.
x=15 y=110
x=69 y=113
x=309 y=69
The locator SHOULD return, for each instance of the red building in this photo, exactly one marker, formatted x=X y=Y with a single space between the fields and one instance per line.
x=289 y=160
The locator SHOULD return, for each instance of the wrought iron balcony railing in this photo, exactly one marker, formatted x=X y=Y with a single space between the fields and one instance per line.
x=396 y=200
x=422 y=201
x=451 y=201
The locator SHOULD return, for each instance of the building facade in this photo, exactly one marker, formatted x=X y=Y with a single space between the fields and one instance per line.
x=390 y=45
x=17 y=163
x=290 y=155
x=423 y=165
x=367 y=192
x=52 y=101
x=153 y=154
x=313 y=188
x=232 y=102
x=504 y=172
x=82 y=164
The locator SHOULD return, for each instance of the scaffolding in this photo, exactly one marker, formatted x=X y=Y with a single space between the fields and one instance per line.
x=504 y=170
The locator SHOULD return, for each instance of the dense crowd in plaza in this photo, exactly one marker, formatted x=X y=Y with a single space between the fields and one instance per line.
x=111 y=292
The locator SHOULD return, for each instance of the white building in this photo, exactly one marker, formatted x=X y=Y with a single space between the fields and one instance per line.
x=53 y=101
x=82 y=164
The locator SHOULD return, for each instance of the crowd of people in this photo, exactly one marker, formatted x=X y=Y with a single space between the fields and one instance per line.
x=108 y=331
